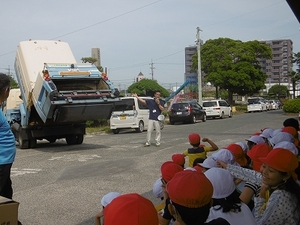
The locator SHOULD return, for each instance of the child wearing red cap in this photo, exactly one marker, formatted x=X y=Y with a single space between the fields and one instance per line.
x=279 y=198
x=190 y=198
x=130 y=209
x=198 y=151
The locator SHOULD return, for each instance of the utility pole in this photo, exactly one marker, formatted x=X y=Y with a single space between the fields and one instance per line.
x=199 y=67
x=152 y=68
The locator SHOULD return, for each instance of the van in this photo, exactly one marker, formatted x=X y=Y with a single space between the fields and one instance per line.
x=129 y=113
x=217 y=108
x=256 y=104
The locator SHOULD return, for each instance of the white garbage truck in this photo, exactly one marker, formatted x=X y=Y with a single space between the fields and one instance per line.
x=57 y=94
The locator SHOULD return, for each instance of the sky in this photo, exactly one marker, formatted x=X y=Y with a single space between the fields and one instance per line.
x=132 y=34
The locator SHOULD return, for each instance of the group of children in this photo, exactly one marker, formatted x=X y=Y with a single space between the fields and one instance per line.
x=252 y=182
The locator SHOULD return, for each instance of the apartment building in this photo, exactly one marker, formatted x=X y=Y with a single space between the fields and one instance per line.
x=192 y=75
x=278 y=68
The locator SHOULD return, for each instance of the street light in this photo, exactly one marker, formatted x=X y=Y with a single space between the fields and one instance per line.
x=198 y=41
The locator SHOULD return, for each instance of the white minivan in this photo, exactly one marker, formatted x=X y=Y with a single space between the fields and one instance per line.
x=129 y=113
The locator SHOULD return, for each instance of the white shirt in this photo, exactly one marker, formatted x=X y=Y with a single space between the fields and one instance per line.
x=244 y=217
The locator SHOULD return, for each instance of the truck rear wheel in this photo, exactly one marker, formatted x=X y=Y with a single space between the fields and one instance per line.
x=74 y=139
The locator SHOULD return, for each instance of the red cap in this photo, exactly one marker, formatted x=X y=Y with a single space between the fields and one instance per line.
x=130 y=209
x=178 y=159
x=169 y=169
x=190 y=189
x=238 y=153
x=194 y=139
x=290 y=130
x=282 y=160
x=256 y=152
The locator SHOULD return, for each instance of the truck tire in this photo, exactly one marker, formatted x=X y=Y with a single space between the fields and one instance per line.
x=23 y=144
x=32 y=143
x=79 y=139
x=51 y=139
x=71 y=140
x=74 y=139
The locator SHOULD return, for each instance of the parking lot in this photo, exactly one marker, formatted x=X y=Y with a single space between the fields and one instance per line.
x=63 y=184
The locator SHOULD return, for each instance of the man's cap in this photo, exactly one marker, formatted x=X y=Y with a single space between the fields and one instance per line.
x=290 y=130
x=106 y=199
x=179 y=159
x=276 y=131
x=169 y=169
x=209 y=162
x=157 y=189
x=238 y=154
x=222 y=182
x=287 y=145
x=190 y=189
x=194 y=138
x=256 y=139
x=256 y=152
x=267 y=133
x=282 y=160
x=281 y=136
x=226 y=156
x=130 y=209
x=243 y=146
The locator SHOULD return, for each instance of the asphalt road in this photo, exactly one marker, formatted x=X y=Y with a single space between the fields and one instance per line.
x=63 y=184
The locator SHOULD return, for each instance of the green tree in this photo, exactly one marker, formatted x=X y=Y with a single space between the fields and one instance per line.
x=294 y=78
x=13 y=83
x=233 y=65
x=280 y=91
x=92 y=61
x=147 y=87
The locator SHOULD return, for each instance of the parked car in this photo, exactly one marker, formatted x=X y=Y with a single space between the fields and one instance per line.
x=256 y=104
x=129 y=113
x=217 y=108
x=188 y=111
x=273 y=104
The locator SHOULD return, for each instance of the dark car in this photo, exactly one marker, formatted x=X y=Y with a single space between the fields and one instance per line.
x=189 y=111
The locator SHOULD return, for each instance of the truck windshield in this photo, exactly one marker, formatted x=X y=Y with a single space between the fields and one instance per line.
x=124 y=104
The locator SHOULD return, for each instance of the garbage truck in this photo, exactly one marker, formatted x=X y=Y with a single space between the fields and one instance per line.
x=56 y=94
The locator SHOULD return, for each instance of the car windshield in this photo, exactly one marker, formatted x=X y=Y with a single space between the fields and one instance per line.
x=124 y=104
x=209 y=104
x=179 y=106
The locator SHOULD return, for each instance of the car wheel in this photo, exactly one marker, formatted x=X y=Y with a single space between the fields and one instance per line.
x=204 y=118
x=115 y=131
x=193 y=120
x=141 y=127
x=230 y=114
x=222 y=115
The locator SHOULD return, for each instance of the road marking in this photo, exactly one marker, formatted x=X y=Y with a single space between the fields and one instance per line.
x=18 y=172
x=74 y=157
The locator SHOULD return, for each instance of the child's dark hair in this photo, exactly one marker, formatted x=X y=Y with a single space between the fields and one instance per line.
x=4 y=82
x=230 y=203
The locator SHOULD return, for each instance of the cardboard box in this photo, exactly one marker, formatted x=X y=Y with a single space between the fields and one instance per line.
x=8 y=211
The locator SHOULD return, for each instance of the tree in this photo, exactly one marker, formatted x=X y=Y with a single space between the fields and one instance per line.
x=92 y=61
x=294 y=78
x=13 y=83
x=280 y=91
x=233 y=65
x=147 y=87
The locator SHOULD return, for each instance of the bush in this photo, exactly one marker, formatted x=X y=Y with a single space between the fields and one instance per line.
x=241 y=108
x=292 y=106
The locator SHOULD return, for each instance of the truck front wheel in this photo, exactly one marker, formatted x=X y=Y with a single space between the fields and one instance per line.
x=23 y=143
